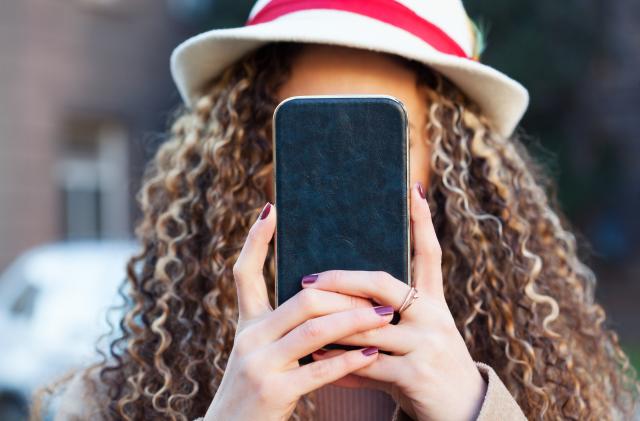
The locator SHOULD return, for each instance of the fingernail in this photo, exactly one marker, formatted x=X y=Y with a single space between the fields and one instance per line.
x=370 y=350
x=309 y=279
x=421 y=190
x=265 y=211
x=383 y=310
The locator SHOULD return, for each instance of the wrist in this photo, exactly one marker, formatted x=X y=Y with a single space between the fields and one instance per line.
x=476 y=396
x=216 y=410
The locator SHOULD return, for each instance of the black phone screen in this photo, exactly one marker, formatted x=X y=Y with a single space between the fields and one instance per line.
x=341 y=187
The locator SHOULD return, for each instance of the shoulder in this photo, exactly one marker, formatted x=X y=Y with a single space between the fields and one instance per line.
x=80 y=396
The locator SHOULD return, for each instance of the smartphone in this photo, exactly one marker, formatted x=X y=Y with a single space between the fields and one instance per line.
x=341 y=185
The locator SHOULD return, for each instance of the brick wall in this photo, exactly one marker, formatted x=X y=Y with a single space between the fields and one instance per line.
x=63 y=59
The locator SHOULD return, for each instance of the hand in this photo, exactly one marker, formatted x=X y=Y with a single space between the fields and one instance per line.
x=430 y=372
x=263 y=379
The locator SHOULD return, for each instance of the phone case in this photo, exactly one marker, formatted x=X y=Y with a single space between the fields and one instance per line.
x=341 y=174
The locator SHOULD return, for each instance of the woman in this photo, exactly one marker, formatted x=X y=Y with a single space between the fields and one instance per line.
x=505 y=326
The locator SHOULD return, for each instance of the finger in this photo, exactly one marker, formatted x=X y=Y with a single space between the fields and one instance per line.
x=387 y=369
x=253 y=299
x=378 y=285
x=320 y=331
x=351 y=381
x=311 y=376
x=427 y=252
x=398 y=339
x=306 y=304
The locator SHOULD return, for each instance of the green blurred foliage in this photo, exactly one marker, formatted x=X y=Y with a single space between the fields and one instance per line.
x=228 y=13
x=548 y=46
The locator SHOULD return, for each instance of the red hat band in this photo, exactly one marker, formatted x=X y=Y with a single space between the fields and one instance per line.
x=387 y=11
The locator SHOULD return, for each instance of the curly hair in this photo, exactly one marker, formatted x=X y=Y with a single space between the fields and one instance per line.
x=521 y=297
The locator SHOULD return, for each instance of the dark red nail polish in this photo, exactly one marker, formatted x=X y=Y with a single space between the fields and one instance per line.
x=383 y=310
x=309 y=279
x=421 y=190
x=265 y=211
x=370 y=350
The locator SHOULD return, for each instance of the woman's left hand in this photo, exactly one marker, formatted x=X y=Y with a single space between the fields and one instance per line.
x=430 y=372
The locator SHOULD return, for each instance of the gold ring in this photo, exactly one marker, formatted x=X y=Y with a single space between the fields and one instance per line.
x=408 y=299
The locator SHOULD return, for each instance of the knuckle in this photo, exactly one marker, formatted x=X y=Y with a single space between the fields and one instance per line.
x=436 y=344
x=264 y=392
x=243 y=342
x=381 y=280
x=333 y=276
x=308 y=300
x=238 y=269
x=250 y=371
x=325 y=368
x=423 y=372
x=311 y=329
x=353 y=301
x=371 y=334
x=445 y=323
x=362 y=317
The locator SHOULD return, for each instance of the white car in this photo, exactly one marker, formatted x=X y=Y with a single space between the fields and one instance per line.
x=53 y=307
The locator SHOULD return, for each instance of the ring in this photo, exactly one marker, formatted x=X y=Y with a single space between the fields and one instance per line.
x=408 y=299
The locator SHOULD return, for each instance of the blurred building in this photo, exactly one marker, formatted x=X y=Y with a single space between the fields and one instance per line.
x=84 y=88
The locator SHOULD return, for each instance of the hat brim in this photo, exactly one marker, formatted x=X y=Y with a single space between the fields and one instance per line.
x=198 y=59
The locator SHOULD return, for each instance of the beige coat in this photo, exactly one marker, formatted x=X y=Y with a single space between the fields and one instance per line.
x=77 y=401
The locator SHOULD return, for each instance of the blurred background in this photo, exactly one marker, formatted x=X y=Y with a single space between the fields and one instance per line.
x=86 y=95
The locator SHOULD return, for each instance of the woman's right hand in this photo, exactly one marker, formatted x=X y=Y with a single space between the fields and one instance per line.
x=263 y=379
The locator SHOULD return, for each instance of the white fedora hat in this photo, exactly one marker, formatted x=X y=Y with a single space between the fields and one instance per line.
x=437 y=33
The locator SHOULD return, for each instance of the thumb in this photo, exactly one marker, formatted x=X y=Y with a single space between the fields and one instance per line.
x=427 y=252
x=253 y=300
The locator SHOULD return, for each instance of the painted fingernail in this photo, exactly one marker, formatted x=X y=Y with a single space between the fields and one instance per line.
x=421 y=190
x=370 y=350
x=265 y=211
x=383 y=310
x=309 y=279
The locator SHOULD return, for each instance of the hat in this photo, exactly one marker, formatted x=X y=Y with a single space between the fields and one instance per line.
x=437 y=33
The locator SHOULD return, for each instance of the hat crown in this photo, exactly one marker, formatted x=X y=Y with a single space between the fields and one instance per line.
x=448 y=15
x=437 y=33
